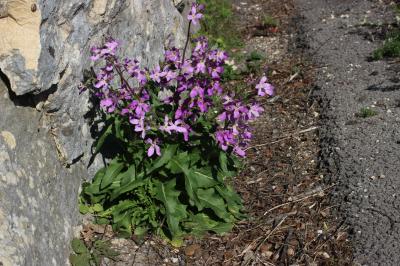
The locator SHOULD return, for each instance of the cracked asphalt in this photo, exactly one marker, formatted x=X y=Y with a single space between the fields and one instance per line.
x=361 y=155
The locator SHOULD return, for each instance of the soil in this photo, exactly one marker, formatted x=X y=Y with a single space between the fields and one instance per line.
x=319 y=184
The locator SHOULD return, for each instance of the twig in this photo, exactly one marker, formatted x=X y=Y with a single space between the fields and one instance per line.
x=293 y=201
x=283 y=255
x=273 y=230
x=284 y=138
x=292 y=77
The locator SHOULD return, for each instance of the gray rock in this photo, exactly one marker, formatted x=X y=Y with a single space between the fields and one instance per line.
x=45 y=141
x=38 y=195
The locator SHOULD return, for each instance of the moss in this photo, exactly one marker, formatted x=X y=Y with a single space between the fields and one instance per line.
x=218 y=24
x=390 y=48
x=366 y=112
x=270 y=21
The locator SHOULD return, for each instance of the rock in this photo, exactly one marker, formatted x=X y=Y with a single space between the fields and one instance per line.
x=290 y=252
x=44 y=51
x=38 y=195
x=265 y=248
x=192 y=249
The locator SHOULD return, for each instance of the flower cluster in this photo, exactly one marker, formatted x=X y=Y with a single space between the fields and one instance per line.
x=172 y=98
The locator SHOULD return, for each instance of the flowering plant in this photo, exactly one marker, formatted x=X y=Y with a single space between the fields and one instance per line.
x=179 y=132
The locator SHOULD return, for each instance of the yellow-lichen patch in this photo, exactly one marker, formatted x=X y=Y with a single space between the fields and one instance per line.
x=9 y=139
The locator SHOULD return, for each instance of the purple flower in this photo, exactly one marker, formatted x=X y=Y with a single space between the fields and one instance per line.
x=173 y=56
x=141 y=77
x=177 y=126
x=110 y=47
x=187 y=68
x=200 y=67
x=165 y=127
x=109 y=104
x=194 y=15
x=200 y=49
x=139 y=126
x=215 y=89
x=239 y=151
x=216 y=72
x=255 y=111
x=170 y=75
x=264 y=88
x=153 y=147
x=197 y=91
x=95 y=53
x=157 y=74
x=131 y=66
x=182 y=93
x=225 y=138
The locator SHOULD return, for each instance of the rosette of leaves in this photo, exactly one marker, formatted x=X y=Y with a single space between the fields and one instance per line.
x=184 y=191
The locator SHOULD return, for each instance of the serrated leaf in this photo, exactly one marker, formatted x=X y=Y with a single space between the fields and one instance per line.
x=83 y=209
x=233 y=200
x=104 y=248
x=175 y=211
x=79 y=247
x=79 y=260
x=195 y=180
x=140 y=231
x=97 y=207
x=112 y=171
x=166 y=156
x=94 y=188
x=126 y=188
x=128 y=176
x=176 y=242
x=179 y=163
x=201 y=223
x=210 y=199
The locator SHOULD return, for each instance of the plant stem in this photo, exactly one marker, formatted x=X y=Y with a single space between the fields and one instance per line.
x=187 y=42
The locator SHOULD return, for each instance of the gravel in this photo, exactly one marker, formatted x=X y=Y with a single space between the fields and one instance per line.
x=361 y=154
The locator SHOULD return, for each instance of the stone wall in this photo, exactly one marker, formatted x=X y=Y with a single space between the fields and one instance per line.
x=45 y=140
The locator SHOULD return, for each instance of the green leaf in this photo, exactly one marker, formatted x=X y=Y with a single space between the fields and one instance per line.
x=166 y=156
x=195 y=180
x=97 y=207
x=112 y=171
x=78 y=246
x=175 y=211
x=210 y=199
x=119 y=133
x=79 y=260
x=103 y=247
x=223 y=160
x=94 y=187
x=126 y=188
x=201 y=223
x=128 y=176
x=140 y=231
x=84 y=209
x=233 y=200
x=177 y=242
x=107 y=131
x=179 y=163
